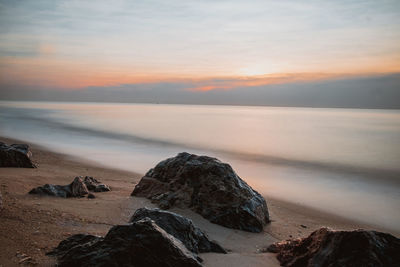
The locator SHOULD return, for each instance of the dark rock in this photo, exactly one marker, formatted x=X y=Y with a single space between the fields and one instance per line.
x=53 y=190
x=74 y=241
x=102 y=188
x=16 y=155
x=94 y=185
x=181 y=228
x=78 y=188
x=91 y=196
x=142 y=243
x=90 y=182
x=208 y=187
x=326 y=247
x=1 y=201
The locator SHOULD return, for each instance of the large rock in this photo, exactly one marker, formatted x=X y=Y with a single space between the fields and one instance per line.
x=142 y=243
x=73 y=242
x=16 y=155
x=326 y=247
x=208 y=187
x=78 y=188
x=181 y=228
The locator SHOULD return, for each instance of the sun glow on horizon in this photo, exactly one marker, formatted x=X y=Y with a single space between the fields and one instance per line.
x=254 y=70
x=216 y=46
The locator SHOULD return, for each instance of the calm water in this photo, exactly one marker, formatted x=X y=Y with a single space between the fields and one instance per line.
x=343 y=161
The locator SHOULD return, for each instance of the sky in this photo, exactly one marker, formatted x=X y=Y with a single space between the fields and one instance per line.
x=200 y=45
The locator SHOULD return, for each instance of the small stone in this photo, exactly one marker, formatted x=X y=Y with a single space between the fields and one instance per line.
x=102 y=188
x=90 y=182
x=78 y=188
x=90 y=195
x=95 y=185
x=25 y=259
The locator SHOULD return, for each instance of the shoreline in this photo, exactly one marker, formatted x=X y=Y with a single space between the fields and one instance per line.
x=196 y=104
x=33 y=225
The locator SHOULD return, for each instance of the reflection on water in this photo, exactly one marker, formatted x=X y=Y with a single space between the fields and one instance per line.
x=339 y=160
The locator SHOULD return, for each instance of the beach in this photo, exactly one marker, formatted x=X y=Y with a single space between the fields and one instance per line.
x=330 y=160
x=33 y=225
x=269 y=127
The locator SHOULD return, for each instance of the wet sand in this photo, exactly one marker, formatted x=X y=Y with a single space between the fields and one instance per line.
x=33 y=225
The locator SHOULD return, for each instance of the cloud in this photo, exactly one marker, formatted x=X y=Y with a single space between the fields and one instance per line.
x=200 y=38
x=379 y=91
x=261 y=80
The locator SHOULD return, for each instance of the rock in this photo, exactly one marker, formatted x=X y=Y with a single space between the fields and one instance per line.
x=208 y=187
x=78 y=188
x=72 y=242
x=102 y=188
x=142 y=243
x=53 y=190
x=91 y=196
x=1 y=201
x=24 y=259
x=326 y=247
x=16 y=155
x=181 y=228
x=90 y=182
x=94 y=185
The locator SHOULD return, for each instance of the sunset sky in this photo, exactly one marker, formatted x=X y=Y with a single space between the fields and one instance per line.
x=214 y=44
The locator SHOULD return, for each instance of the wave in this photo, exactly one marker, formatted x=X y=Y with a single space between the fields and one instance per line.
x=363 y=171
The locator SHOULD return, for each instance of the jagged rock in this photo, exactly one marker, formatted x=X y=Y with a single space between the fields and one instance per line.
x=102 y=188
x=94 y=185
x=208 y=187
x=181 y=228
x=72 y=242
x=90 y=182
x=15 y=155
x=78 y=188
x=53 y=190
x=326 y=247
x=142 y=243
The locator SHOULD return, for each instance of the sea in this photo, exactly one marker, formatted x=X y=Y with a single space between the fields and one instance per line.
x=340 y=161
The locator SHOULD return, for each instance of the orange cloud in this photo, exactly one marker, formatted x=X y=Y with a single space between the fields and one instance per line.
x=234 y=82
x=53 y=72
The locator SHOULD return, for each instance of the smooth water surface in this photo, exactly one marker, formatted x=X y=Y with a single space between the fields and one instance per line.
x=343 y=161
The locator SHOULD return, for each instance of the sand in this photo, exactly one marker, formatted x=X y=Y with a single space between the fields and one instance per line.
x=33 y=225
